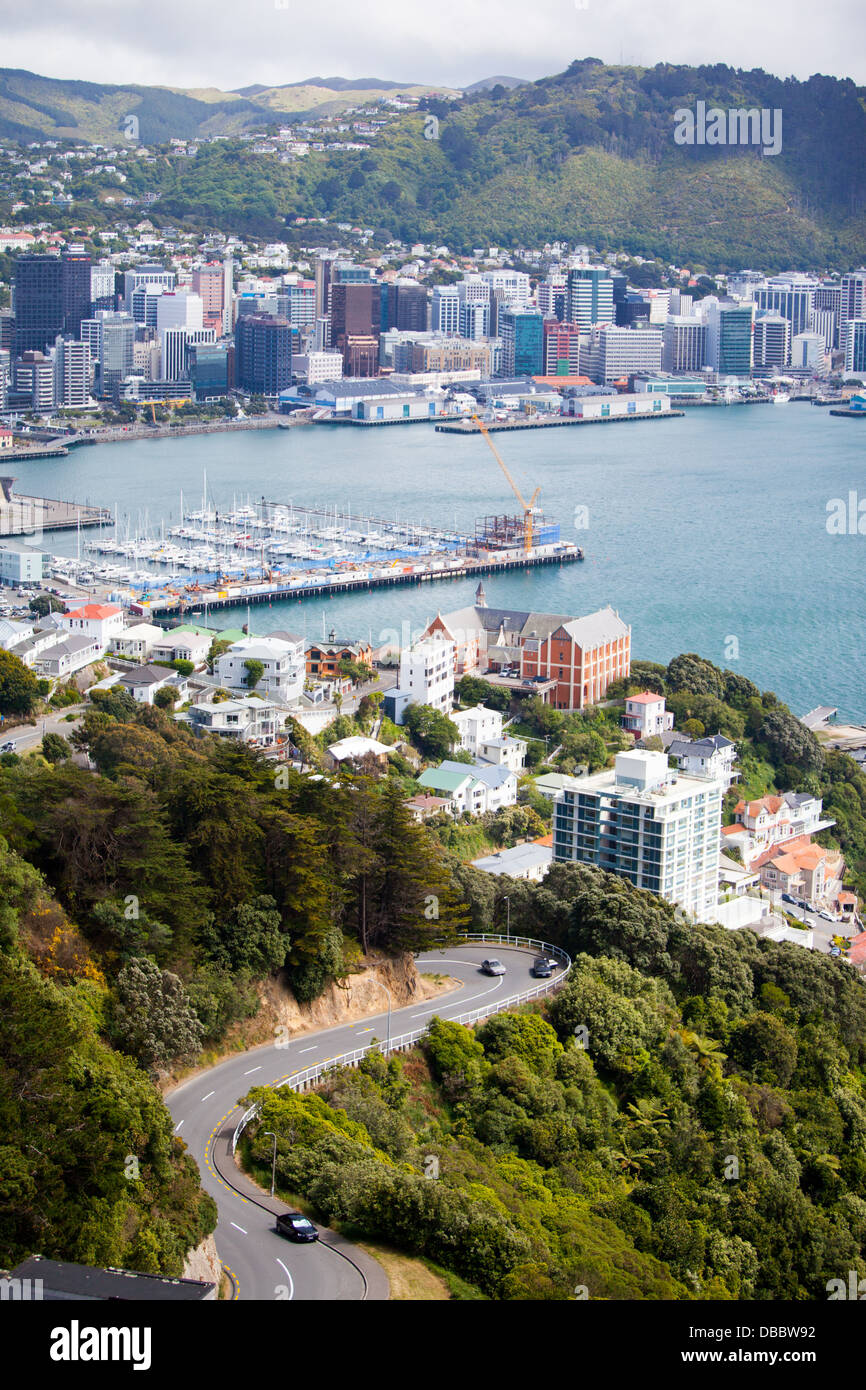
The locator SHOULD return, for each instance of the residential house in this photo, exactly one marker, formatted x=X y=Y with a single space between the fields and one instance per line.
x=143 y=682
x=713 y=756
x=805 y=871
x=323 y=658
x=283 y=664
x=103 y=621
x=425 y=806
x=504 y=752
x=462 y=791
x=252 y=720
x=137 y=642
x=427 y=672
x=356 y=750
x=773 y=822
x=183 y=644
x=476 y=726
x=528 y=861
x=646 y=715
x=72 y=653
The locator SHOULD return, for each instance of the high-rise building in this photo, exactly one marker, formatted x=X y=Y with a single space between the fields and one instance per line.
x=684 y=344
x=263 y=354
x=75 y=271
x=360 y=355
x=730 y=331
x=772 y=341
x=522 y=334
x=102 y=292
x=590 y=296
x=355 y=311
x=324 y=267
x=211 y=369
x=145 y=275
x=512 y=286
x=208 y=282
x=38 y=302
x=445 y=316
x=552 y=299
x=852 y=298
x=111 y=339
x=411 y=308
x=34 y=377
x=791 y=297
x=72 y=372
x=300 y=303
x=825 y=322
x=144 y=304
x=228 y=294
x=561 y=348
x=179 y=309
x=615 y=353
x=854 y=344
x=809 y=350
x=655 y=827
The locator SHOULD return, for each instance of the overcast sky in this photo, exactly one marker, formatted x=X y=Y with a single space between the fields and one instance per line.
x=233 y=43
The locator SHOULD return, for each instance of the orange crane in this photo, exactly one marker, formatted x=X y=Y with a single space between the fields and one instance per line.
x=529 y=508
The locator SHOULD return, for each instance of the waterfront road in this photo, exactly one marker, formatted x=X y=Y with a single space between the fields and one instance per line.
x=261 y=1264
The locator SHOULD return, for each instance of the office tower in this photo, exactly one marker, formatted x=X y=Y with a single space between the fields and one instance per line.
x=228 y=294
x=75 y=269
x=7 y=330
x=102 y=293
x=792 y=301
x=322 y=334
x=72 y=372
x=825 y=322
x=590 y=296
x=809 y=350
x=446 y=310
x=355 y=311
x=852 y=298
x=772 y=341
x=522 y=334
x=325 y=262
x=111 y=339
x=360 y=355
x=615 y=353
x=474 y=317
x=175 y=346
x=655 y=827
x=144 y=304
x=411 y=308
x=5 y=376
x=34 y=376
x=684 y=344
x=854 y=344
x=37 y=301
x=263 y=354
x=730 y=332
x=552 y=299
x=179 y=309
x=620 y=293
x=211 y=369
x=512 y=286
x=681 y=303
x=301 y=303
x=208 y=282
x=634 y=312
x=561 y=348
x=145 y=275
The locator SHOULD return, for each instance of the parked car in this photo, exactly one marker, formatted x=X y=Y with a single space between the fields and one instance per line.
x=835 y=951
x=297 y=1227
x=7 y=747
x=789 y=898
x=541 y=968
x=828 y=916
x=493 y=967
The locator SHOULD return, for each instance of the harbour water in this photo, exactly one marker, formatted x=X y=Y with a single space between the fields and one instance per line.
x=708 y=536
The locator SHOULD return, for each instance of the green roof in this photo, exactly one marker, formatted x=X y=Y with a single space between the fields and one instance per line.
x=190 y=630
x=443 y=781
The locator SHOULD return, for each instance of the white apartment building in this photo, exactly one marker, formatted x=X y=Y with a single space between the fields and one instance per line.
x=427 y=673
x=248 y=721
x=477 y=726
x=657 y=828
x=283 y=662
x=324 y=366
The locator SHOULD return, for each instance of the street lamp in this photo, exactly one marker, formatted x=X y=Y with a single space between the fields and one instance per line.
x=508 y=916
x=270 y=1132
x=388 y=992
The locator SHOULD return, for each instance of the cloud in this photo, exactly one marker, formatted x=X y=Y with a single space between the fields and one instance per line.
x=221 y=43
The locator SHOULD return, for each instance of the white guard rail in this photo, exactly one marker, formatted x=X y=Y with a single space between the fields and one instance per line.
x=303 y=1080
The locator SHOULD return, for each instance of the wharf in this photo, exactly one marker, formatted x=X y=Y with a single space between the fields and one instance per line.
x=850 y=414
x=557 y=421
x=20 y=515
x=352 y=581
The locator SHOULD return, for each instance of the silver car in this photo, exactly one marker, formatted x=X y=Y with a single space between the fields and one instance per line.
x=493 y=967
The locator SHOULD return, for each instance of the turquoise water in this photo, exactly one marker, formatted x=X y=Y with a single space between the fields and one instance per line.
x=708 y=533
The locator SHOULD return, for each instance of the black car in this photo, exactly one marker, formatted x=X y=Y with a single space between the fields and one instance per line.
x=295 y=1226
x=541 y=968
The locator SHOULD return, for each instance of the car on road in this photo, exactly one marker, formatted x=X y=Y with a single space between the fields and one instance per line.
x=7 y=747
x=492 y=967
x=541 y=968
x=828 y=916
x=297 y=1227
x=787 y=898
x=835 y=951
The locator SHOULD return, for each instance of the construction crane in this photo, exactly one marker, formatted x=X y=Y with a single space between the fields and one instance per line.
x=529 y=508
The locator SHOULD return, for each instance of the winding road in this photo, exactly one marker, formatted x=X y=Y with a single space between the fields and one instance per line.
x=261 y=1264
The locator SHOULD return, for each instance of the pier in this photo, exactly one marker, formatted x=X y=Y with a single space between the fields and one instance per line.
x=552 y=423
x=351 y=582
x=21 y=516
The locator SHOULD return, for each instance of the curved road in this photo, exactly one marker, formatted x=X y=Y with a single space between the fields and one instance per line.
x=261 y=1264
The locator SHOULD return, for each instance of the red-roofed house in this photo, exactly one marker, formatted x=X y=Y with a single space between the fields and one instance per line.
x=773 y=823
x=103 y=621
x=646 y=715
x=7 y=439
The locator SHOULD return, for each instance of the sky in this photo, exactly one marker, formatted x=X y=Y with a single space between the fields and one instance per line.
x=227 y=44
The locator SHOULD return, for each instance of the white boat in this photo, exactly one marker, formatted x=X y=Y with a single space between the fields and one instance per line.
x=780 y=398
